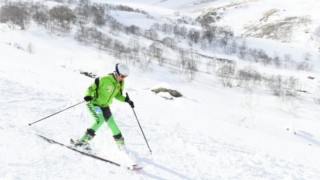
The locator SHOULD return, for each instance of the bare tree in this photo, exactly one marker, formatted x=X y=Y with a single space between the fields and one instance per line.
x=252 y=55
x=182 y=60
x=194 y=35
x=180 y=31
x=277 y=61
x=169 y=42
x=85 y=2
x=287 y=60
x=208 y=19
x=191 y=65
x=61 y=18
x=151 y=34
x=211 y=65
x=39 y=13
x=115 y=26
x=133 y=30
x=263 y=57
x=98 y=19
x=41 y=17
x=275 y=84
x=192 y=68
x=83 y=14
x=283 y=87
x=167 y=28
x=155 y=26
x=249 y=78
x=15 y=15
x=134 y=47
x=106 y=43
x=118 y=49
x=84 y=35
x=62 y=14
x=304 y=66
x=156 y=51
x=209 y=34
x=225 y=72
x=243 y=49
x=233 y=47
x=145 y=60
x=223 y=43
x=98 y=12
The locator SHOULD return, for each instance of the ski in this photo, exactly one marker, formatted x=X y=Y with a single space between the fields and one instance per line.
x=51 y=141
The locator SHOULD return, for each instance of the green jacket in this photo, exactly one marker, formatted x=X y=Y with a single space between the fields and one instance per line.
x=108 y=88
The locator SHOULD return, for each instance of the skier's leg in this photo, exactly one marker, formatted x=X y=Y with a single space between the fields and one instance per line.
x=113 y=126
x=115 y=131
x=126 y=158
x=98 y=117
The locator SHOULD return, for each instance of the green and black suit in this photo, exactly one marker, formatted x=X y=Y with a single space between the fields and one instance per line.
x=103 y=90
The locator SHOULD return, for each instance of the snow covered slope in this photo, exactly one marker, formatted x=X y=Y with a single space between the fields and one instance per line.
x=290 y=21
x=210 y=133
x=286 y=21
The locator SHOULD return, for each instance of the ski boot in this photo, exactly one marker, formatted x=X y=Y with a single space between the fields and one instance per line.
x=81 y=144
x=122 y=148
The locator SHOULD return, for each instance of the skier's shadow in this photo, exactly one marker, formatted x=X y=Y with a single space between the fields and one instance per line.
x=308 y=137
x=149 y=161
x=182 y=176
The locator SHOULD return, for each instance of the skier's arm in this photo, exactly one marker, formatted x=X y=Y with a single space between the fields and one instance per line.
x=119 y=96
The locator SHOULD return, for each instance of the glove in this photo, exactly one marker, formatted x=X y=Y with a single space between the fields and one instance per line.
x=88 y=98
x=127 y=99
x=131 y=103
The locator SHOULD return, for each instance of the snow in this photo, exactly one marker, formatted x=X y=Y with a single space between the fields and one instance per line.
x=210 y=133
x=132 y=18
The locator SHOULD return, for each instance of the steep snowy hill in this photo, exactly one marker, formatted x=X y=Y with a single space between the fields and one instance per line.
x=211 y=132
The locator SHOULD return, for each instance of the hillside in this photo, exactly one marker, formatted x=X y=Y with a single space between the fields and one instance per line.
x=242 y=115
x=286 y=21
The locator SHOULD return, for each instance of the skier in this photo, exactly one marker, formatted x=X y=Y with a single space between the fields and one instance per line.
x=99 y=97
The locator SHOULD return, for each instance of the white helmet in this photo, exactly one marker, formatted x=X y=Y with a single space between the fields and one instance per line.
x=122 y=69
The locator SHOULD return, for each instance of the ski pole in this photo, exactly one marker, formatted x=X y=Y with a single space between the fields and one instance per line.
x=134 y=112
x=55 y=113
